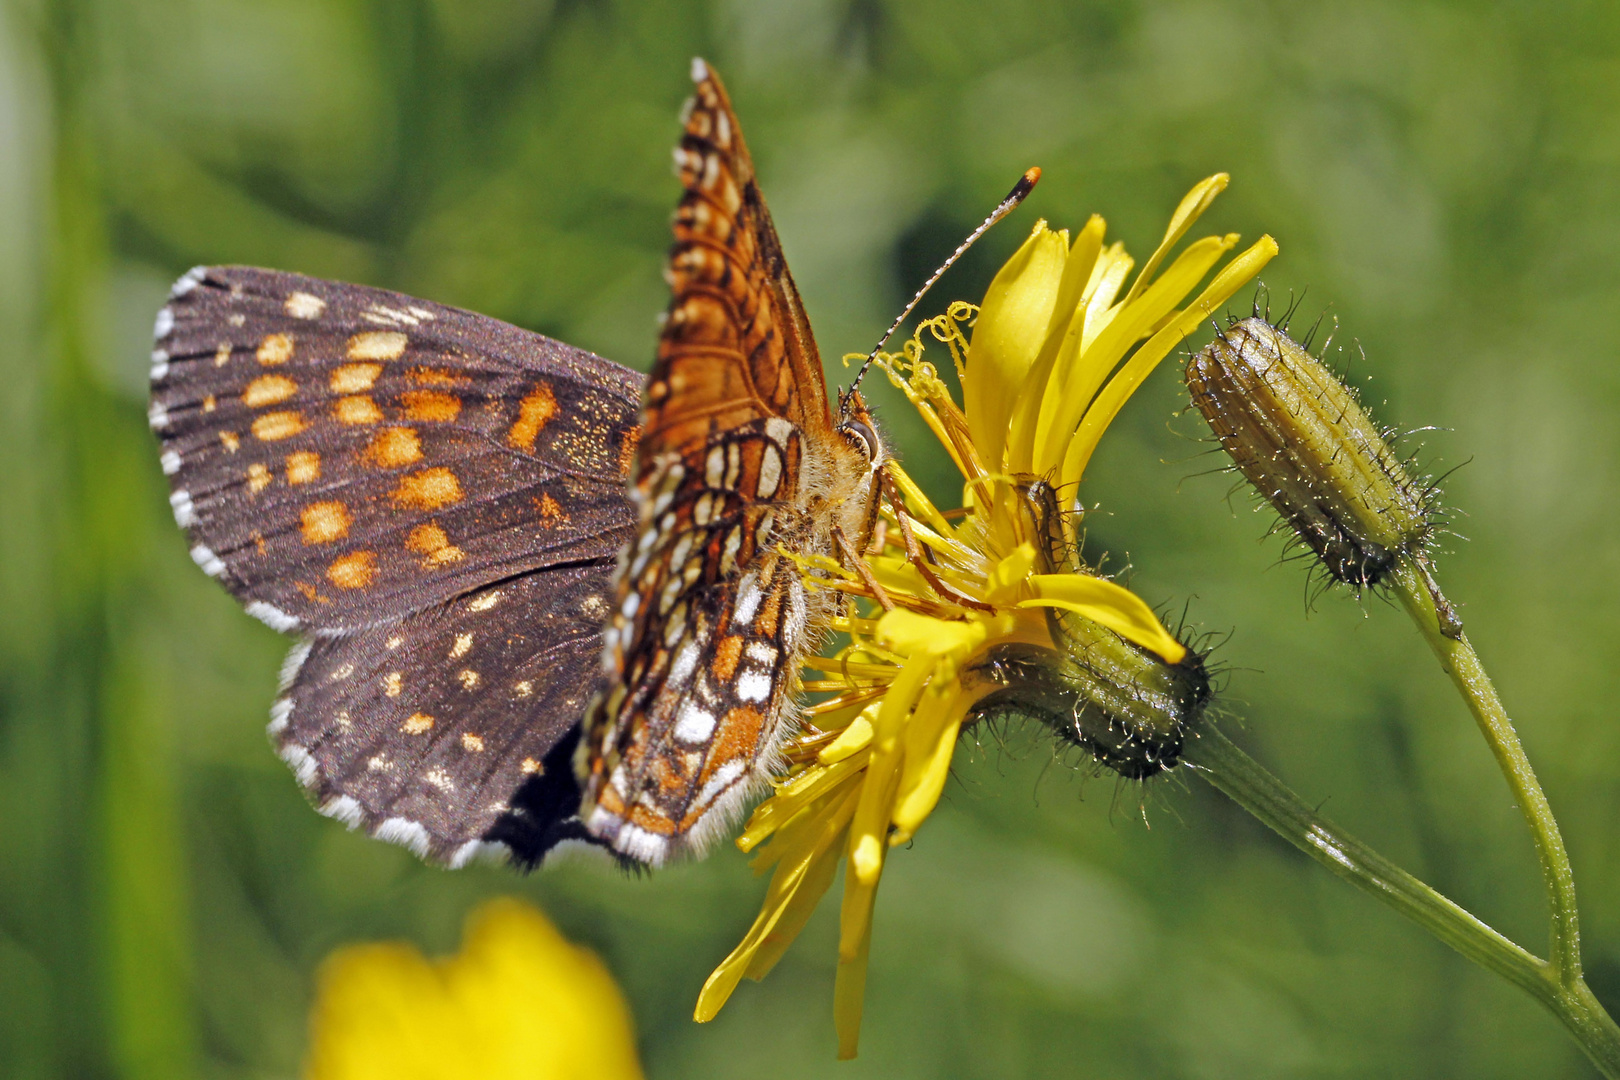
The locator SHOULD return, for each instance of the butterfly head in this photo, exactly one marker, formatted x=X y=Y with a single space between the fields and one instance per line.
x=856 y=425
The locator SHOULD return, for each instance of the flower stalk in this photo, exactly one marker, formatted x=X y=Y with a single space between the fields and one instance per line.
x=1461 y=664
x=1227 y=768
x=1301 y=438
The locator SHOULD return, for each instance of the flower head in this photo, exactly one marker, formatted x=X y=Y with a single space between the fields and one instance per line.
x=518 y=1001
x=1057 y=347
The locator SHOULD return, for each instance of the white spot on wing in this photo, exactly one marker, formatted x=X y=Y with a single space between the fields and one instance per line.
x=343 y=808
x=170 y=462
x=301 y=305
x=638 y=843
x=723 y=778
x=272 y=616
x=185 y=515
x=406 y=833
x=294 y=663
x=211 y=564
x=157 y=417
x=280 y=712
x=160 y=364
x=693 y=725
x=748 y=597
x=483 y=850
x=302 y=762
x=770 y=472
x=700 y=70
x=188 y=281
x=753 y=686
x=164 y=325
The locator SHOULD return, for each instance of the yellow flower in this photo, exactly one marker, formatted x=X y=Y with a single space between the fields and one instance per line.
x=1055 y=352
x=518 y=1001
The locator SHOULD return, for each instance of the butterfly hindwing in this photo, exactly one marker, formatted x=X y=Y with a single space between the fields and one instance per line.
x=737 y=457
x=438 y=731
x=341 y=455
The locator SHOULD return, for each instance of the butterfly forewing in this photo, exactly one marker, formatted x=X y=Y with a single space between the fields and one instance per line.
x=341 y=455
x=437 y=498
x=738 y=461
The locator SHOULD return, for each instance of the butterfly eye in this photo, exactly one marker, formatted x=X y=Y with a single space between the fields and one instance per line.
x=862 y=437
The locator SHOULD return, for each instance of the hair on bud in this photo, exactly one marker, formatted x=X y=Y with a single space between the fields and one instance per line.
x=1300 y=437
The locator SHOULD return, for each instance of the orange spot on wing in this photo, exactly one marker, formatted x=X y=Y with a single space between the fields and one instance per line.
x=275 y=349
x=278 y=425
x=647 y=818
x=268 y=390
x=428 y=489
x=222 y=355
x=627 y=450
x=394 y=448
x=472 y=743
x=533 y=413
x=726 y=655
x=377 y=345
x=435 y=547
x=325 y=522
x=430 y=405
x=417 y=724
x=209 y=404
x=258 y=478
x=303 y=467
x=230 y=440
x=359 y=409
x=354 y=378
x=770 y=613
x=353 y=571
x=551 y=514
x=424 y=376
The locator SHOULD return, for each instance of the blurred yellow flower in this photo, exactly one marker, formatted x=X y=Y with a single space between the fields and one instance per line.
x=1055 y=352
x=518 y=1001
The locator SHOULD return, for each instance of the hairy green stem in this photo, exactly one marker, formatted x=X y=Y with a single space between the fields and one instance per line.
x=1219 y=761
x=1423 y=600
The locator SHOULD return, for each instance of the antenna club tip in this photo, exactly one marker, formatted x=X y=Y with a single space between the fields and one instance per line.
x=1025 y=185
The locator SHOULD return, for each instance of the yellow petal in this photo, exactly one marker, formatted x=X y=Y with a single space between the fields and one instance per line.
x=852 y=739
x=1068 y=319
x=517 y=992
x=1083 y=375
x=1116 y=607
x=1192 y=207
x=1008 y=336
x=923 y=636
x=930 y=745
x=1232 y=277
x=1010 y=575
x=849 y=996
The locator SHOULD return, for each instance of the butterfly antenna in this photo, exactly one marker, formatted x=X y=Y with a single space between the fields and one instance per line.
x=1020 y=190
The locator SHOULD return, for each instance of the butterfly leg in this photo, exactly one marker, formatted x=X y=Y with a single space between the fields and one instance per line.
x=917 y=555
x=857 y=563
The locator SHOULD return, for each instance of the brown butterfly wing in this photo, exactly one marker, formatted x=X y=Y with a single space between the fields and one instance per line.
x=711 y=618
x=436 y=500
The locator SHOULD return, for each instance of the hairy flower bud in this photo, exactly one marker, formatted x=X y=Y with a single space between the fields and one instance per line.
x=1300 y=437
x=1126 y=705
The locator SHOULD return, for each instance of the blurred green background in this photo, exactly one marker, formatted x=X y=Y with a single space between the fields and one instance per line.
x=1442 y=178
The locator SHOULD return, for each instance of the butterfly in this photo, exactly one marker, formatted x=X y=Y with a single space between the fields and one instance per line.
x=452 y=511
x=741 y=470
